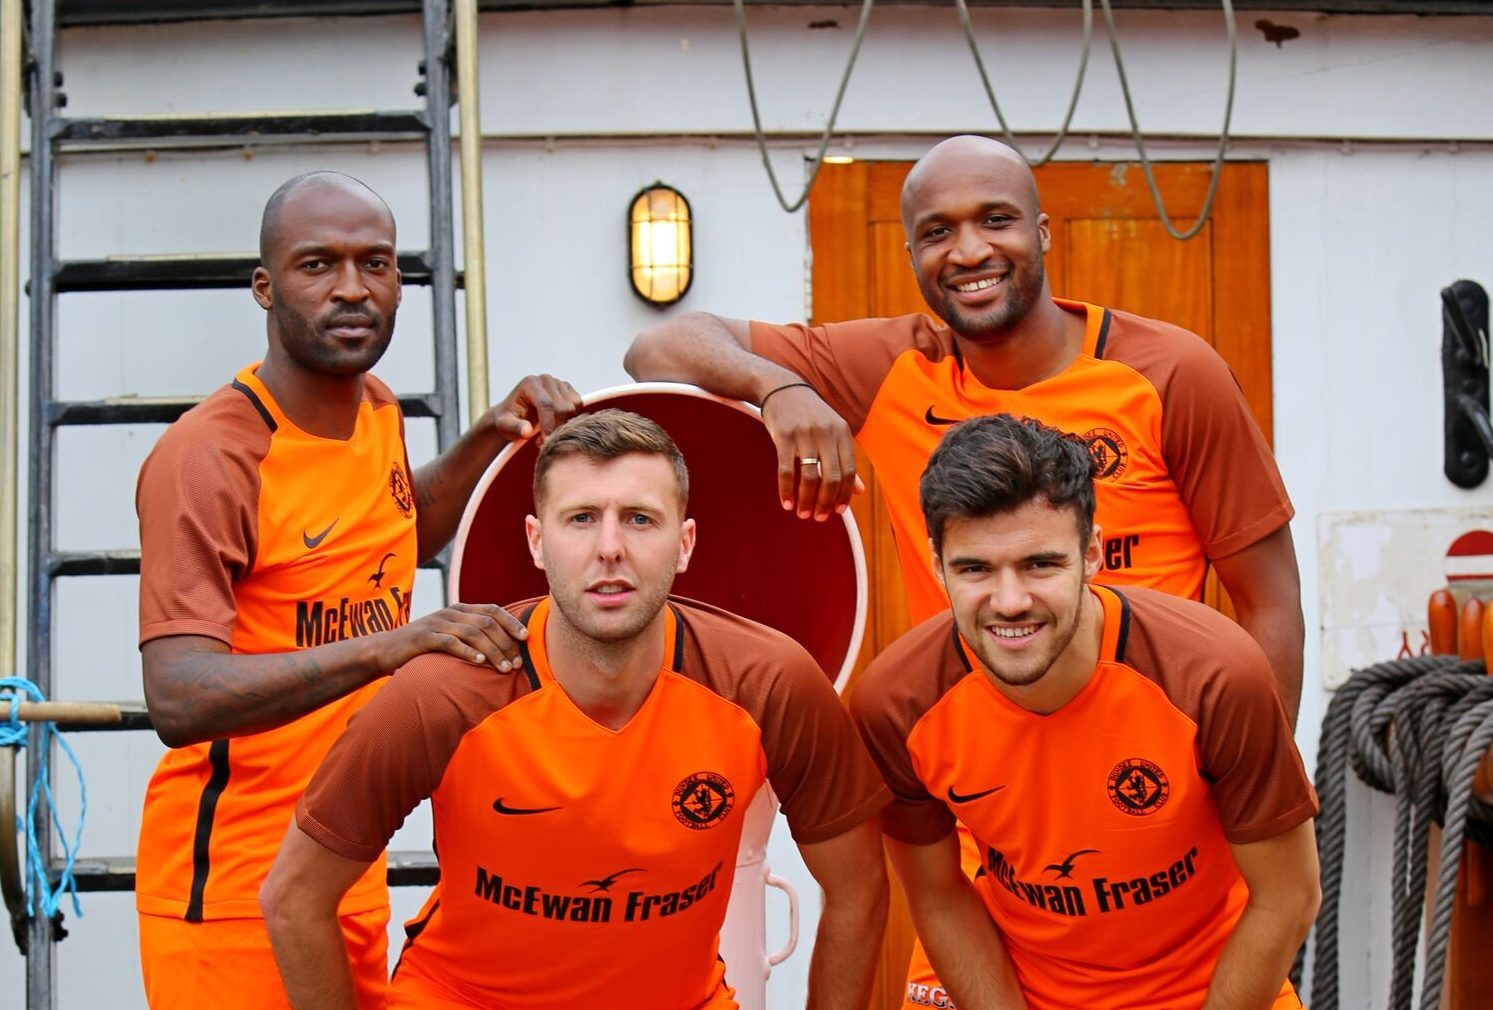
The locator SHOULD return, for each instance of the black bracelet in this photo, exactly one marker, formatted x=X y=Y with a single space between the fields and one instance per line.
x=762 y=407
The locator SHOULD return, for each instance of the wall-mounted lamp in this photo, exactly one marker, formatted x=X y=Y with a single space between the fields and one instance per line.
x=661 y=243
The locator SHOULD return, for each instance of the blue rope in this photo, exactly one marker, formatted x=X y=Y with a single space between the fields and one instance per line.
x=13 y=734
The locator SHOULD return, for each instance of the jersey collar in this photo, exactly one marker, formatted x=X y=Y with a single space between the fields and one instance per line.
x=536 y=658
x=1096 y=325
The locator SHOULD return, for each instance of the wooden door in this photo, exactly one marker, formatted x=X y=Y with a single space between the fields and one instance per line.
x=1109 y=248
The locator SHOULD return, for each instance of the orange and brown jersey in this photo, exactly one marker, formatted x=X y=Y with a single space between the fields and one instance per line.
x=1104 y=827
x=268 y=539
x=1184 y=474
x=583 y=866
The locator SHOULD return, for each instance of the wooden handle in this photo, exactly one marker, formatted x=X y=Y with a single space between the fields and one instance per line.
x=91 y=713
x=1470 y=630
x=1441 y=616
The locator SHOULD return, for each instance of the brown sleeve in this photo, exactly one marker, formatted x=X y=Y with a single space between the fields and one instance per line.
x=890 y=696
x=1217 y=455
x=815 y=763
x=1216 y=674
x=395 y=751
x=847 y=362
x=1224 y=470
x=197 y=499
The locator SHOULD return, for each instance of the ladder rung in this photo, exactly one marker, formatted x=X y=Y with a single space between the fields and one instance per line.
x=165 y=409
x=117 y=873
x=207 y=128
x=208 y=270
x=61 y=564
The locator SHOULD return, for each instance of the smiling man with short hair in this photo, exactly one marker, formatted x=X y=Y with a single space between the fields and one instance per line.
x=1122 y=759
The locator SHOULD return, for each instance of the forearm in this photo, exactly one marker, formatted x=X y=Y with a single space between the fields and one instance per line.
x=1255 y=960
x=966 y=949
x=443 y=486
x=209 y=696
x=1277 y=627
x=843 y=967
x=312 y=958
x=702 y=349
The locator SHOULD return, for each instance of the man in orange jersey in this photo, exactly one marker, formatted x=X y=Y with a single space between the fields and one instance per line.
x=1185 y=477
x=1122 y=759
x=280 y=526
x=588 y=813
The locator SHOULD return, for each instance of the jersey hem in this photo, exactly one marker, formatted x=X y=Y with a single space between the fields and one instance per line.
x=858 y=815
x=353 y=903
x=1296 y=816
x=1252 y=534
x=166 y=629
x=333 y=842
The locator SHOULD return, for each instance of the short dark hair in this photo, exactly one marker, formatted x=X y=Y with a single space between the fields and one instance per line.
x=988 y=465
x=605 y=435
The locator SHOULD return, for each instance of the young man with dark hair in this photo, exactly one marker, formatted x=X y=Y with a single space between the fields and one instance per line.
x=1122 y=759
x=588 y=811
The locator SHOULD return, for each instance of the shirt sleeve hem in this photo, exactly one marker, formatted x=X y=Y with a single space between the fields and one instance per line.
x=862 y=812
x=922 y=836
x=335 y=843
x=1245 y=835
x=165 y=629
x=1252 y=534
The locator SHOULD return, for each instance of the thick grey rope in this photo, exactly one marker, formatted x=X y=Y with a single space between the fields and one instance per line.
x=1331 y=779
x=1474 y=734
x=834 y=112
x=1083 y=65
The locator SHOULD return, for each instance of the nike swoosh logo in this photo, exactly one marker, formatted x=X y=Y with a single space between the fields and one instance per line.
x=314 y=542
x=933 y=418
x=503 y=808
x=971 y=797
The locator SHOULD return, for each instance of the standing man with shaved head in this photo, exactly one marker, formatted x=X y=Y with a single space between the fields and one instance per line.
x=280 y=528
x=1185 y=478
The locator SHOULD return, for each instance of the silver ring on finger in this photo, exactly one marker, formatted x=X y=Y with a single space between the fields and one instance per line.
x=804 y=462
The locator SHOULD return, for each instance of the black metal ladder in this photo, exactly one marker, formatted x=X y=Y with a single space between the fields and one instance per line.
x=54 y=134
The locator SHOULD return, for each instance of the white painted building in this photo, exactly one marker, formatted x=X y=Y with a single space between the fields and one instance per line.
x=1377 y=131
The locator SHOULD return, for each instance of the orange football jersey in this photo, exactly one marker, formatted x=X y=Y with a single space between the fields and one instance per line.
x=582 y=866
x=1184 y=474
x=1103 y=827
x=268 y=539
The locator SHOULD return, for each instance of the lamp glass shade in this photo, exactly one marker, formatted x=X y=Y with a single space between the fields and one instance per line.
x=661 y=245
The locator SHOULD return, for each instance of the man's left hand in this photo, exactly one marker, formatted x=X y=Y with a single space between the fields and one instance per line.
x=538 y=402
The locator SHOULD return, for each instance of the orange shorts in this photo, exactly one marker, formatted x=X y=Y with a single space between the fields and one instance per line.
x=227 y=963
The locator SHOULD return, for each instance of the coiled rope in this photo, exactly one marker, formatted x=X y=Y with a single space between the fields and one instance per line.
x=40 y=893
x=1416 y=728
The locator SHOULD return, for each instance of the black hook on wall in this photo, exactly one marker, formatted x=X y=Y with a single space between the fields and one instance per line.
x=1464 y=375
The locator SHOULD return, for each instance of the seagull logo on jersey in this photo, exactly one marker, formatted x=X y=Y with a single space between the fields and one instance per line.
x=399 y=489
x=1107 y=450
x=1064 y=870
x=605 y=883
x=377 y=578
x=703 y=800
x=1138 y=787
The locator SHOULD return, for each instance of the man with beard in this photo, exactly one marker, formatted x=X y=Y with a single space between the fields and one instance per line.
x=588 y=812
x=1185 y=479
x=1121 y=758
x=280 y=528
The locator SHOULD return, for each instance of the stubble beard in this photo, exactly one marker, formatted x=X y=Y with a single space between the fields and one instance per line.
x=1024 y=288
x=305 y=342
x=1000 y=667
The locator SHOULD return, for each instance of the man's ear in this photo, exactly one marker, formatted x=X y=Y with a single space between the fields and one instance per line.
x=1093 y=555
x=264 y=292
x=534 y=532
x=1044 y=229
x=937 y=566
x=686 y=546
